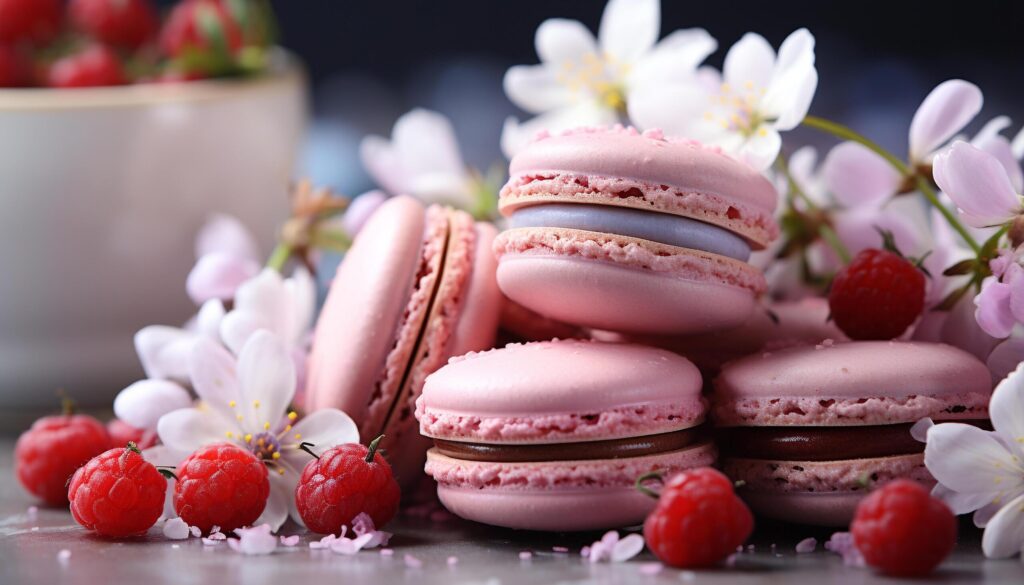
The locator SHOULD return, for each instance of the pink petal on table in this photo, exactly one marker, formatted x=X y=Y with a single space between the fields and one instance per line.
x=806 y=545
x=946 y=110
x=413 y=562
x=290 y=540
x=977 y=183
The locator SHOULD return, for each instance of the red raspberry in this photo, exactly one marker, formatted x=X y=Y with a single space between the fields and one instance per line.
x=118 y=493
x=92 y=67
x=699 y=520
x=902 y=530
x=121 y=23
x=877 y=296
x=122 y=433
x=221 y=485
x=190 y=26
x=48 y=454
x=29 y=21
x=345 y=481
x=15 y=70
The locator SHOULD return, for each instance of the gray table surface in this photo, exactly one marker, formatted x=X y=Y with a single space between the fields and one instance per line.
x=30 y=547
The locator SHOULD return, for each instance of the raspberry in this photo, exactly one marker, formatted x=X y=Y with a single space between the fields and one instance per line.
x=699 y=520
x=94 y=66
x=48 y=454
x=221 y=485
x=902 y=530
x=202 y=26
x=344 y=481
x=122 y=433
x=29 y=21
x=120 y=23
x=877 y=296
x=118 y=493
x=15 y=70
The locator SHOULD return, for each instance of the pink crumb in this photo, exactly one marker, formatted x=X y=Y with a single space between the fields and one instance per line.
x=413 y=562
x=806 y=545
x=387 y=552
x=452 y=561
x=651 y=568
x=559 y=549
x=525 y=555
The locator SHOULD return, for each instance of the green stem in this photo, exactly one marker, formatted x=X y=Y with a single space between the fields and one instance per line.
x=832 y=239
x=279 y=256
x=847 y=133
x=824 y=230
x=332 y=240
x=651 y=475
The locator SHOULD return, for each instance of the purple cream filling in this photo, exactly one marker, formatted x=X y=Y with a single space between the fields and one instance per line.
x=663 y=228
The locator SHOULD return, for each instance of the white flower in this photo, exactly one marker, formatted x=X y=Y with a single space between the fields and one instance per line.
x=586 y=81
x=422 y=159
x=982 y=471
x=283 y=306
x=760 y=94
x=227 y=255
x=246 y=402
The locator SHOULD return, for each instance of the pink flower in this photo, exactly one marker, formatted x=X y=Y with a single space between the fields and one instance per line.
x=227 y=256
x=978 y=184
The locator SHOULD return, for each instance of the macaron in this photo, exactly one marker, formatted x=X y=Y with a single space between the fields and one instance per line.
x=615 y=229
x=772 y=326
x=552 y=435
x=416 y=287
x=811 y=430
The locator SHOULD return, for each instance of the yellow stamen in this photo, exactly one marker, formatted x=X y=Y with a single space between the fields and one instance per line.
x=292 y=416
x=298 y=436
x=266 y=426
x=229 y=434
x=255 y=403
x=275 y=456
x=232 y=404
x=248 y=437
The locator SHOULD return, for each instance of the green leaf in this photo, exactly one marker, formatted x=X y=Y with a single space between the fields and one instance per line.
x=960 y=268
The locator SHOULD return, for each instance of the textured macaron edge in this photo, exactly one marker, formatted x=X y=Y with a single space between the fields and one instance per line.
x=846 y=475
x=826 y=410
x=562 y=475
x=536 y=188
x=625 y=251
x=630 y=420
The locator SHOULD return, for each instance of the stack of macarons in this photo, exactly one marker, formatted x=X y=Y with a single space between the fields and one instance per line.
x=810 y=430
x=416 y=288
x=553 y=435
x=615 y=229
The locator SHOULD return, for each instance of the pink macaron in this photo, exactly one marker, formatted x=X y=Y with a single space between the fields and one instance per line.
x=552 y=435
x=810 y=430
x=615 y=229
x=416 y=287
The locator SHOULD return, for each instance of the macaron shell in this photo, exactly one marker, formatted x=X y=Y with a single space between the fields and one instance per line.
x=483 y=300
x=350 y=346
x=854 y=383
x=522 y=324
x=621 y=167
x=561 y=391
x=555 y=495
x=824 y=493
x=604 y=295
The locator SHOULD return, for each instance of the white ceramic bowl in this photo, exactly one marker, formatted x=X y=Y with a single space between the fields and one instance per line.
x=102 y=192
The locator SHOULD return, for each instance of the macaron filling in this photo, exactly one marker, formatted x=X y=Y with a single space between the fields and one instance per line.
x=590 y=450
x=664 y=228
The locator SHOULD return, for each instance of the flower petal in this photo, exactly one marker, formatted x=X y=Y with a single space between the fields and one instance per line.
x=993 y=309
x=796 y=50
x=266 y=376
x=300 y=289
x=627 y=548
x=962 y=330
x=164 y=351
x=278 y=503
x=961 y=503
x=1006 y=409
x=946 y=110
x=209 y=317
x=226 y=234
x=991 y=129
x=327 y=428
x=515 y=135
x=673 y=60
x=561 y=42
x=425 y=143
x=857 y=176
x=382 y=163
x=143 y=403
x=360 y=210
x=629 y=28
x=1004 y=533
x=761 y=149
x=237 y=327
x=214 y=377
x=967 y=459
x=218 y=276
x=677 y=109
x=536 y=88
x=750 y=61
x=977 y=183
x=1017 y=145
x=1006 y=356
x=188 y=429
x=999 y=147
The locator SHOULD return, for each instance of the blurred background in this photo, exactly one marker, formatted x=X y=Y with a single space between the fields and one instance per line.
x=372 y=61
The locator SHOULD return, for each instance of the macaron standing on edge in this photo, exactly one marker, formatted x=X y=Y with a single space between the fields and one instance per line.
x=614 y=229
x=553 y=435
x=416 y=287
x=811 y=430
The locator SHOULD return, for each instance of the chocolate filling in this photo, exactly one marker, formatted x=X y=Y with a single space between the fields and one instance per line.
x=610 y=449
x=822 y=443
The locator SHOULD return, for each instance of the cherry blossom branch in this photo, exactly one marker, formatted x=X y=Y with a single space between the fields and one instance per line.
x=279 y=256
x=847 y=133
x=828 y=235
